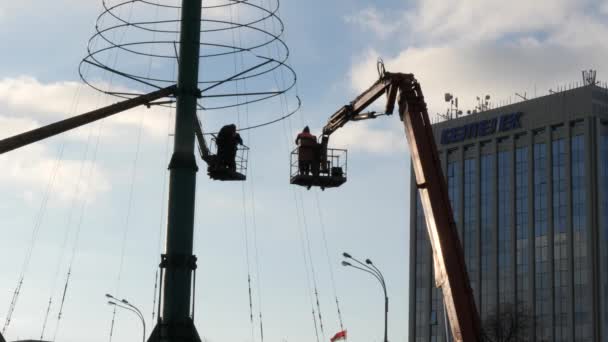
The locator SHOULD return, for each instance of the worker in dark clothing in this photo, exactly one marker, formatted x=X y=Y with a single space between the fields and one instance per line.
x=228 y=140
x=307 y=152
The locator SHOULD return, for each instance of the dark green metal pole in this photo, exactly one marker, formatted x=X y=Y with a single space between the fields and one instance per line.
x=178 y=259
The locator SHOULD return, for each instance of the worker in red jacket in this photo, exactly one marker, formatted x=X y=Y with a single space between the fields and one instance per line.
x=307 y=151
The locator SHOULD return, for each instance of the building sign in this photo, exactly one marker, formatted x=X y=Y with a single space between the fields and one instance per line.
x=482 y=128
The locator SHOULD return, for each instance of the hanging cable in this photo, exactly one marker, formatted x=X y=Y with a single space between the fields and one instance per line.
x=163 y=213
x=71 y=214
x=112 y=324
x=252 y=194
x=163 y=216
x=314 y=277
x=40 y=217
x=154 y=300
x=243 y=188
x=305 y=258
x=13 y=304
x=314 y=318
x=329 y=262
x=79 y=225
x=46 y=317
x=300 y=205
x=78 y=230
x=133 y=173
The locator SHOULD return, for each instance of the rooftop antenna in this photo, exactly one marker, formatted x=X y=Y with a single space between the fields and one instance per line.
x=523 y=97
x=453 y=111
x=589 y=77
x=483 y=103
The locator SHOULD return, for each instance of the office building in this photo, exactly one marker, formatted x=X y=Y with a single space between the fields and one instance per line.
x=528 y=183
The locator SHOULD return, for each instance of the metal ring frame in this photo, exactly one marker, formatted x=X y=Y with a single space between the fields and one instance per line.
x=106 y=35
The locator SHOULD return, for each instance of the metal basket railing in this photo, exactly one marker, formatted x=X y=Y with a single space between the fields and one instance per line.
x=333 y=164
x=242 y=156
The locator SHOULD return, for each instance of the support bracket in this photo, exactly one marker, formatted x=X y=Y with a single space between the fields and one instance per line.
x=178 y=261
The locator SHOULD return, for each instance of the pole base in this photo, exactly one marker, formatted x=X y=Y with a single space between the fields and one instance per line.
x=174 y=332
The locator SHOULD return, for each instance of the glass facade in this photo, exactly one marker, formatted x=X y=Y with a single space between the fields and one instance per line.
x=435 y=311
x=521 y=226
x=453 y=178
x=582 y=268
x=542 y=286
x=533 y=221
x=603 y=183
x=560 y=241
x=470 y=221
x=505 y=242
x=487 y=271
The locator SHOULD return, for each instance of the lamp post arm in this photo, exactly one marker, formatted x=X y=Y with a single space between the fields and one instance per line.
x=381 y=276
x=135 y=311
x=124 y=307
x=370 y=272
x=377 y=270
x=376 y=273
x=135 y=308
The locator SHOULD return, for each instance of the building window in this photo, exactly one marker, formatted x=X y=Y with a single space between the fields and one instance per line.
x=603 y=183
x=470 y=221
x=505 y=267
x=541 y=244
x=521 y=225
x=488 y=295
x=560 y=243
x=454 y=173
x=435 y=306
x=582 y=269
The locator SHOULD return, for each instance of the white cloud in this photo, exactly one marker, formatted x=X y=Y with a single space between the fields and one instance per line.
x=28 y=99
x=372 y=19
x=9 y=126
x=604 y=7
x=26 y=103
x=360 y=136
x=474 y=48
x=30 y=170
x=15 y=9
x=459 y=20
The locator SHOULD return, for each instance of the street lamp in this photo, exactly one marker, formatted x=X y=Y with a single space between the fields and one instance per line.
x=124 y=304
x=370 y=268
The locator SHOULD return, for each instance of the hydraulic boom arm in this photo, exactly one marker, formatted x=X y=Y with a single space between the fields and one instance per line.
x=450 y=271
x=203 y=149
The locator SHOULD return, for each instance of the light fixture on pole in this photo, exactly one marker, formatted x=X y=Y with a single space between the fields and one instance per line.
x=124 y=304
x=370 y=268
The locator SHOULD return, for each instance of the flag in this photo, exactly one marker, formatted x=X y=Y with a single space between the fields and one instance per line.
x=339 y=336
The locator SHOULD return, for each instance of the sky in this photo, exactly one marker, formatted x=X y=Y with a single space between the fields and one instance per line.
x=94 y=199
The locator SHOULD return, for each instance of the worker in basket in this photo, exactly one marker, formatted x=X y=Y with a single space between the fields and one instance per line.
x=228 y=140
x=308 y=152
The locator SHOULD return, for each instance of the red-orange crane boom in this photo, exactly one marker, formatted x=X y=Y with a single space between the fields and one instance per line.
x=450 y=269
